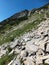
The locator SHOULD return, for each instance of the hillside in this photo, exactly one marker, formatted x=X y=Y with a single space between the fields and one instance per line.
x=24 y=38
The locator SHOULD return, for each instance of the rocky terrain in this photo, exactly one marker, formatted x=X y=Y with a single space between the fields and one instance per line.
x=28 y=42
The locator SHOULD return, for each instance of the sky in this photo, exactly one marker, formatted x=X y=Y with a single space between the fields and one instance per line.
x=10 y=7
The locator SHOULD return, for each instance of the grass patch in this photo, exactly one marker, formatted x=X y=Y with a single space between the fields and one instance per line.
x=6 y=59
x=47 y=14
x=16 y=33
x=9 y=37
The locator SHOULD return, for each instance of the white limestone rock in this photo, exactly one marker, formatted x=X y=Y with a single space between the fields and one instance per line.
x=31 y=48
x=29 y=61
x=47 y=48
x=47 y=61
x=23 y=54
x=17 y=51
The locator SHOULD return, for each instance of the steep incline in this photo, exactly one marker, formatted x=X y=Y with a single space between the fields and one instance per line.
x=24 y=38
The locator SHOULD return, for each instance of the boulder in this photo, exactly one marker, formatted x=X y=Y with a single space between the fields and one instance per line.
x=26 y=39
x=23 y=43
x=17 y=51
x=23 y=54
x=47 y=61
x=16 y=62
x=31 y=48
x=14 y=44
x=29 y=61
x=23 y=48
x=47 y=48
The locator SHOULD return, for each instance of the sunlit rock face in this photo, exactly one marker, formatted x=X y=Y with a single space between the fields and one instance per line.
x=21 y=14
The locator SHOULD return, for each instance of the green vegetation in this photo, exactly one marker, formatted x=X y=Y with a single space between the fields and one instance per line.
x=16 y=33
x=6 y=59
x=8 y=25
x=47 y=14
x=9 y=49
x=21 y=61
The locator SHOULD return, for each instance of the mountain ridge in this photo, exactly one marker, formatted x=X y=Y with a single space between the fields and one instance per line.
x=32 y=10
x=24 y=38
x=20 y=16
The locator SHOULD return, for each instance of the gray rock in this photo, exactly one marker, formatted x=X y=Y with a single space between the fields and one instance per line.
x=23 y=54
x=47 y=61
x=13 y=44
x=17 y=51
x=23 y=48
x=29 y=61
x=20 y=14
x=31 y=48
x=47 y=48
x=16 y=62
x=23 y=43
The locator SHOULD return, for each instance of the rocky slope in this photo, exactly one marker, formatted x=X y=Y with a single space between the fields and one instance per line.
x=32 y=47
x=28 y=42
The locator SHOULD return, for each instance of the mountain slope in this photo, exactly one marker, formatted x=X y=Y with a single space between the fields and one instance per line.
x=24 y=38
x=22 y=22
x=19 y=17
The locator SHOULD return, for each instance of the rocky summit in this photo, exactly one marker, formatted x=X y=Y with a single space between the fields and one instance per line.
x=24 y=38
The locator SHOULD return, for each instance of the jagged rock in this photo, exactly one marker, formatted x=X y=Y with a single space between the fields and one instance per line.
x=4 y=46
x=47 y=48
x=3 y=51
x=46 y=35
x=20 y=40
x=32 y=54
x=23 y=48
x=37 y=36
x=42 y=32
x=14 y=62
x=17 y=51
x=31 y=48
x=42 y=43
x=40 y=52
x=23 y=54
x=47 y=61
x=29 y=61
x=26 y=39
x=39 y=61
x=48 y=32
x=23 y=43
x=14 y=44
